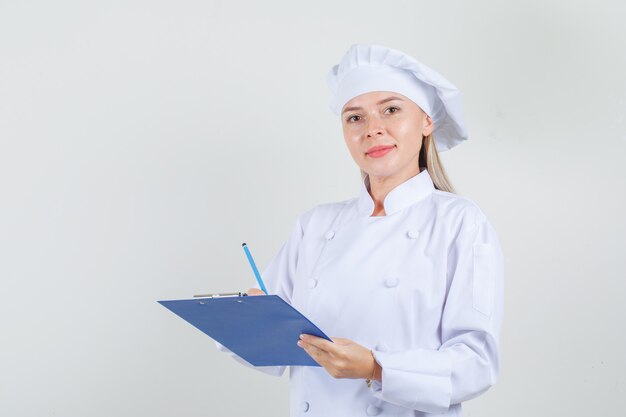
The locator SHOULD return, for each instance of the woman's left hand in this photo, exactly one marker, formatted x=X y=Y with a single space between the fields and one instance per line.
x=341 y=359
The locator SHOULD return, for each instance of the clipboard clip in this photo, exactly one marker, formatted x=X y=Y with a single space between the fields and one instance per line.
x=219 y=295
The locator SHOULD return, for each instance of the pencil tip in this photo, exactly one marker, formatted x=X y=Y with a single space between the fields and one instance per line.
x=243 y=244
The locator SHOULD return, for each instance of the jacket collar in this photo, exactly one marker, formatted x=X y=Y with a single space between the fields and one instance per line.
x=404 y=195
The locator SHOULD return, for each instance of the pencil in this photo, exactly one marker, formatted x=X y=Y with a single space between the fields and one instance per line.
x=254 y=268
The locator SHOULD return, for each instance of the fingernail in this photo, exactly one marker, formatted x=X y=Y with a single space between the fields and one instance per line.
x=302 y=336
x=299 y=343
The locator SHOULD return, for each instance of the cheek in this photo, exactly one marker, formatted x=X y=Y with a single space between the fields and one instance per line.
x=409 y=135
x=352 y=142
x=352 y=148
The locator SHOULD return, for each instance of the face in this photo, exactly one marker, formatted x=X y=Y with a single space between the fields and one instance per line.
x=383 y=131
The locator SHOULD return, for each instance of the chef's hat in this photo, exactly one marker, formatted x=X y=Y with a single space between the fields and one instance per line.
x=365 y=68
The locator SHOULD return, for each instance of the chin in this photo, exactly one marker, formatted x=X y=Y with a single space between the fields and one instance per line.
x=379 y=171
x=380 y=174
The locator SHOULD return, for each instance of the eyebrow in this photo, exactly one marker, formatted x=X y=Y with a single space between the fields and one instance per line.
x=347 y=109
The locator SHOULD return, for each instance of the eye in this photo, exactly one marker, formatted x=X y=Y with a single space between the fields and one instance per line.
x=392 y=109
x=353 y=118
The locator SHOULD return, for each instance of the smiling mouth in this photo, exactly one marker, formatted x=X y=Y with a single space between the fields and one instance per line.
x=379 y=151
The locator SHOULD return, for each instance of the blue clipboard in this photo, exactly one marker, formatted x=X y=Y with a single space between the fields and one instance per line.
x=261 y=329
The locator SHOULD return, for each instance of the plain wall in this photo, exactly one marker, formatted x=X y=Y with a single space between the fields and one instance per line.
x=142 y=141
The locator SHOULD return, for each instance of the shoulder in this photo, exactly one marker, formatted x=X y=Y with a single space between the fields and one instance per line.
x=457 y=209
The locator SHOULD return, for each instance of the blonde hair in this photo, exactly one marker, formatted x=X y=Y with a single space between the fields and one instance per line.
x=429 y=159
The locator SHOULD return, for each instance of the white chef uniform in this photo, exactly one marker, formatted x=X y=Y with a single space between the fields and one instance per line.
x=422 y=287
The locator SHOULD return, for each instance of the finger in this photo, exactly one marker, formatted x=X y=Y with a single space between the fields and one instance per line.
x=341 y=342
x=318 y=355
x=254 y=291
x=319 y=342
x=308 y=347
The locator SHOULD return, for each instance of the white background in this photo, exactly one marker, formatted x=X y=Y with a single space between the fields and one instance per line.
x=142 y=141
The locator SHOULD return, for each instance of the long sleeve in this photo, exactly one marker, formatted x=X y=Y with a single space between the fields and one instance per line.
x=467 y=362
x=278 y=278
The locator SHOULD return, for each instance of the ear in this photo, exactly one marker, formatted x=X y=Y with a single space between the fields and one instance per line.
x=428 y=125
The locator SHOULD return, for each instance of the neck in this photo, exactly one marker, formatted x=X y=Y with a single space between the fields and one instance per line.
x=381 y=186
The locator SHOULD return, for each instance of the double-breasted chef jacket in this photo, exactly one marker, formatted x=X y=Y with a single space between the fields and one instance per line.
x=422 y=287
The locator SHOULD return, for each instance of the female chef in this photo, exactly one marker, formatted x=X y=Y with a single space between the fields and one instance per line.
x=408 y=274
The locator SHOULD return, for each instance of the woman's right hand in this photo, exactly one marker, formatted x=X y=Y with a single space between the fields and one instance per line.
x=254 y=291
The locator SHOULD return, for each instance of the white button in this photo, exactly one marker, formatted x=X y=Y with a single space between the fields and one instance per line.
x=305 y=406
x=413 y=234
x=312 y=283
x=381 y=347
x=372 y=410
x=391 y=282
x=330 y=234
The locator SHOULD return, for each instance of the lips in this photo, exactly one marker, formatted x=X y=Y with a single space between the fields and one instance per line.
x=379 y=151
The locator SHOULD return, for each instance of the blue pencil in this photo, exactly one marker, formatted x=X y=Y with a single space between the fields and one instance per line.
x=254 y=268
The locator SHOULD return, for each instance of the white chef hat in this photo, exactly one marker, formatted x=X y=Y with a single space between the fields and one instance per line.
x=365 y=68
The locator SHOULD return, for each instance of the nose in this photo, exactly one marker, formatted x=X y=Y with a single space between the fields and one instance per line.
x=374 y=127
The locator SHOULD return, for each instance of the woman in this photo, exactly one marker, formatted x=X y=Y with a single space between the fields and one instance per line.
x=408 y=273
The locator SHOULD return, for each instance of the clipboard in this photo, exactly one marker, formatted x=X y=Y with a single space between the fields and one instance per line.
x=261 y=329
